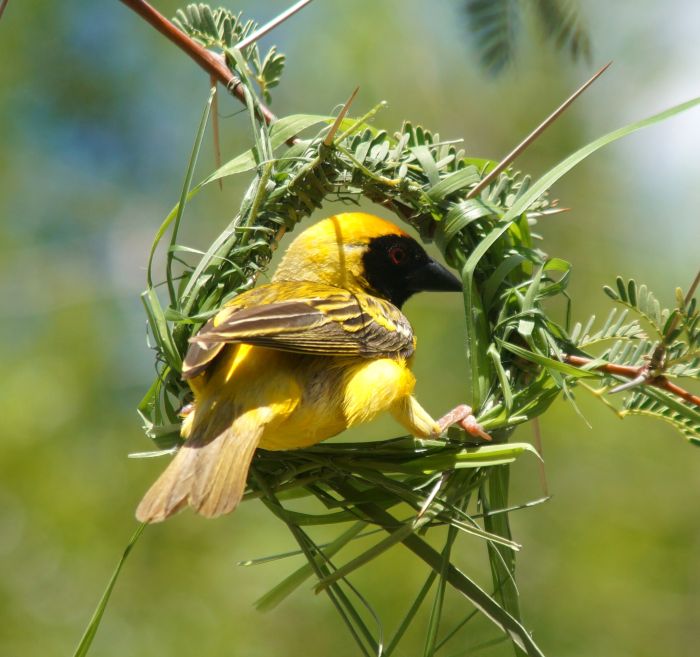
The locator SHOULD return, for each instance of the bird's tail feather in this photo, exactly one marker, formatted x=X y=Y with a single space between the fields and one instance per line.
x=207 y=474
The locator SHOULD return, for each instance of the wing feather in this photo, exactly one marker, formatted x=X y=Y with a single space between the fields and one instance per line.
x=304 y=318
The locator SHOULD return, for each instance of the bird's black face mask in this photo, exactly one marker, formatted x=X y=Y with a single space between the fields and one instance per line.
x=397 y=267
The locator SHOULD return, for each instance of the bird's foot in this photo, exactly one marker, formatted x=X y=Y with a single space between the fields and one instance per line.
x=463 y=416
x=186 y=409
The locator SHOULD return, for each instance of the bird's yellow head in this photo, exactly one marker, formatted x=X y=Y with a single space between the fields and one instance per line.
x=361 y=252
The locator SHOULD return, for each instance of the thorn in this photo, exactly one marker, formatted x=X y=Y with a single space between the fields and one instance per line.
x=268 y=27
x=633 y=383
x=508 y=159
x=433 y=494
x=328 y=141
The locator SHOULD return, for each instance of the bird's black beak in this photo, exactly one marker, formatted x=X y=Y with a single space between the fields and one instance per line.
x=433 y=277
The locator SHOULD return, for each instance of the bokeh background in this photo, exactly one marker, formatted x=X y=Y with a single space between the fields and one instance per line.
x=97 y=117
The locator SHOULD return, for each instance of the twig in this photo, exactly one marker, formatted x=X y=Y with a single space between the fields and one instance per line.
x=211 y=62
x=630 y=372
x=3 y=4
x=506 y=161
x=651 y=371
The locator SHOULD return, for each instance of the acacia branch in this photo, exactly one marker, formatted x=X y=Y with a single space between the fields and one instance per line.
x=215 y=66
x=211 y=62
x=629 y=372
x=646 y=375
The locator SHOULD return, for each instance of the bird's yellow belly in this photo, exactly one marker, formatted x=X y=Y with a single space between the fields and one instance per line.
x=301 y=400
x=337 y=394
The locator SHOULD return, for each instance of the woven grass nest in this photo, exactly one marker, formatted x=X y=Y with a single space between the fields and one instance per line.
x=401 y=488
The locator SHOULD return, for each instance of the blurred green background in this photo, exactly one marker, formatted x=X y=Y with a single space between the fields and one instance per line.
x=97 y=117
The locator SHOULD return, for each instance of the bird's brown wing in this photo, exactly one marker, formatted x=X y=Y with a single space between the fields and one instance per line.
x=317 y=319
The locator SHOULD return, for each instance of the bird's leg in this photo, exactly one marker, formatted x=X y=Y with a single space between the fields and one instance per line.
x=463 y=416
x=418 y=421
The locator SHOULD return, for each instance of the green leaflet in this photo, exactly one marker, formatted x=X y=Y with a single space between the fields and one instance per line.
x=455 y=182
x=291 y=583
x=280 y=132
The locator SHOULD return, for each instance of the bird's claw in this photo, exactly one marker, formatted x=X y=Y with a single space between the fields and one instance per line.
x=186 y=410
x=463 y=416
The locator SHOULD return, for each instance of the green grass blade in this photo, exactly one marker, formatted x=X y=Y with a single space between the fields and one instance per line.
x=322 y=567
x=347 y=612
x=436 y=611
x=176 y=212
x=161 y=232
x=477 y=340
x=494 y=281
x=527 y=324
x=427 y=464
x=395 y=536
x=262 y=151
x=291 y=583
x=184 y=194
x=441 y=509
x=502 y=377
x=453 y=183
x=159 y=328
x=482 y=456
x=551 y=363
x=94 y=624
x=296 y=553
x=456 y=629
x=280 y=132
x=410 y=615
x=494 y=494
x=458 y=580
x=548 y=179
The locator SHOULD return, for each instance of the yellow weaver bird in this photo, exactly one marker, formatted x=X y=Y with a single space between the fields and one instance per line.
x=321 y=348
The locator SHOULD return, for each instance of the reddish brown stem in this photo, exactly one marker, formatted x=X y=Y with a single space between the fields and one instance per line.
x=609 y=368
x=680 y=392
x=211 y=62
x=632 y=373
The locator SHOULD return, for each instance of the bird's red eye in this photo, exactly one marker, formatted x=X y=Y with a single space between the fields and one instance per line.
x=397 y=255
